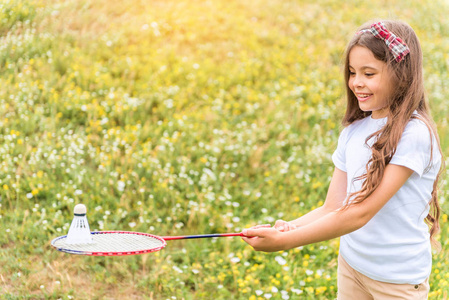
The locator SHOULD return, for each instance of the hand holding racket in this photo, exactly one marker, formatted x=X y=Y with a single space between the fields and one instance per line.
x=264 y=238
x=267 y=238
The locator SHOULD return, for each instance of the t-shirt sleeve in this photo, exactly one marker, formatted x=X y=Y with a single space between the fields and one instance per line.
x=414 y=148
x=339 y=157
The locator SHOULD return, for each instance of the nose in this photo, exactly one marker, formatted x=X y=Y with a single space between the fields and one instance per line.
x=357 y=81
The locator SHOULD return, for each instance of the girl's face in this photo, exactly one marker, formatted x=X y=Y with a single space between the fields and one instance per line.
x=370 y=80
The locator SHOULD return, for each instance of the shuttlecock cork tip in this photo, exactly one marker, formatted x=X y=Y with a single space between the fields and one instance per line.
x=80 y=209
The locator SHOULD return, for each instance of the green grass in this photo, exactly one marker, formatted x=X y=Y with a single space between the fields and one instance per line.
x=127 y=106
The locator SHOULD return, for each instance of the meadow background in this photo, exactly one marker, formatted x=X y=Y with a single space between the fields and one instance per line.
x=180 y=117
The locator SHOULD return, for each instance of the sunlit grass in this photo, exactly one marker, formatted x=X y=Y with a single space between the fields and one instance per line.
x=182 y=117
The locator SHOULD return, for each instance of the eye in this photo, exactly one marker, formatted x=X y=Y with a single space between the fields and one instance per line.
x=351 y=73
x=369 y=74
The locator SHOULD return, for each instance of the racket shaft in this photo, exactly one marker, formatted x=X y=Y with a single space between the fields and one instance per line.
x=201 y=236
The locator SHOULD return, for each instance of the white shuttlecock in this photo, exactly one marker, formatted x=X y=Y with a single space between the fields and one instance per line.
x=79 y=232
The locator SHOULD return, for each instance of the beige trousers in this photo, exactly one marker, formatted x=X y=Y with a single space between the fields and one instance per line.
x=354 y=285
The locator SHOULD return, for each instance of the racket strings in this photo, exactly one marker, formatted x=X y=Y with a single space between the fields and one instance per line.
x=113 y=243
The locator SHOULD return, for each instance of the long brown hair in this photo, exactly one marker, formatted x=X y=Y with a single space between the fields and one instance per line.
x=408 y=96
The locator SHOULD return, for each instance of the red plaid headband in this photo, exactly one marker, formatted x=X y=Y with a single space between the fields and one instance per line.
x=394 y=43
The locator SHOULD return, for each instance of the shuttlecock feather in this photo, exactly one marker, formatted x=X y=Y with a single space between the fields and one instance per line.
x=79 y=232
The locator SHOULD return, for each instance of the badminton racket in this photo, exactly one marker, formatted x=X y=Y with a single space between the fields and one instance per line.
x=119 y=243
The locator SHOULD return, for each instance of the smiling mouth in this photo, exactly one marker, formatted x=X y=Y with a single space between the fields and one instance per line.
x=363 y=97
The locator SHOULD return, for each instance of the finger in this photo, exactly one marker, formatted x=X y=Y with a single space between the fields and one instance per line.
x=281 y=225
x=258 y=232
x=249 y=240
x=261 y=226
x=291 y=226
x=279 y=222
x=251 y=232
x=245 y=233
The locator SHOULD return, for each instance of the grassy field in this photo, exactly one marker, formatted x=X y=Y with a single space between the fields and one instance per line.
x=180 y=117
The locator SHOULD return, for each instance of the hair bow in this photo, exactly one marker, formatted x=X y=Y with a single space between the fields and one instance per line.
x=397 y=47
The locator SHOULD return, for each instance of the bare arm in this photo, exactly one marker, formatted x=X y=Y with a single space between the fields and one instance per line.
x=335 y=223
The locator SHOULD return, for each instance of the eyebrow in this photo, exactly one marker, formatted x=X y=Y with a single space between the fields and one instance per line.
x=365 y=67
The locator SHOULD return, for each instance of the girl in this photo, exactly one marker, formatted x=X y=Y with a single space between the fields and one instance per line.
x=382 y=198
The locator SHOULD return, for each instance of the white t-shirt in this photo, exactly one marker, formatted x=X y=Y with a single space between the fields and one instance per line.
x=394 y=246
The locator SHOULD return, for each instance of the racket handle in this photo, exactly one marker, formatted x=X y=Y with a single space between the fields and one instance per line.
x=201 y=236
